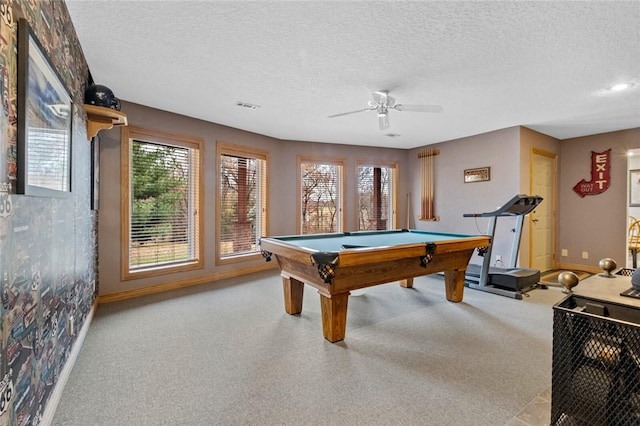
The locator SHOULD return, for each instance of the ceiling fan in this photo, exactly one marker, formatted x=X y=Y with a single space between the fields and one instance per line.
x=382 y=103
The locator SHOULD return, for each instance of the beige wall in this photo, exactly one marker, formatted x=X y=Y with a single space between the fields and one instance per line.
x=498 y=150
x=596 y=224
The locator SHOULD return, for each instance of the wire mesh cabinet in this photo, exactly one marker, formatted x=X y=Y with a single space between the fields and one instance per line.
x=596 y=363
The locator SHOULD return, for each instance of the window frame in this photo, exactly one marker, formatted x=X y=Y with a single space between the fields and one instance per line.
x=320 y=160
x=393 y=165
x=225 y=148
x=128 y=134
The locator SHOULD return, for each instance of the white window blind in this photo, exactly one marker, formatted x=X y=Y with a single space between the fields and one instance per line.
x=375 y=198
x=164 y=198
x=321 y=196
x=242 y=202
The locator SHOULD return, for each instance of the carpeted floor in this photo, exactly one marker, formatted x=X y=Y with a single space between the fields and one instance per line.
x=228 y=354
x=551 y=277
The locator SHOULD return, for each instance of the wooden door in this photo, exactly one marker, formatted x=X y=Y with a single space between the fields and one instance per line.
x=541 y=220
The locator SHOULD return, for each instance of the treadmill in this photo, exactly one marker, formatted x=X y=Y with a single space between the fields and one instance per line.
x=509 y=281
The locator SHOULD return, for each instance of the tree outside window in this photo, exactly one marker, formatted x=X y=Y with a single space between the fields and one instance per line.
x=320 y=197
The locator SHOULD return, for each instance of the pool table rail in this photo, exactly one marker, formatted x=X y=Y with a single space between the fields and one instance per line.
x=353 y=256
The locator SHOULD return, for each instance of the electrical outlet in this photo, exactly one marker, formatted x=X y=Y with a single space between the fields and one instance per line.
x=585 y=255
x=498 y=258
x=565 y=252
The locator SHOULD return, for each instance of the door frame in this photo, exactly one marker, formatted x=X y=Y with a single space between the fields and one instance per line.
x=554 y=203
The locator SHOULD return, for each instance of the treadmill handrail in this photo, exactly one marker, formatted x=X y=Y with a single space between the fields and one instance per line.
x=519 y=205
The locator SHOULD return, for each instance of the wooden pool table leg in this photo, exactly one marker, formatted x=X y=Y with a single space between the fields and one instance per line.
x=334 y=315
x=454 y=284
x=408 y=283
x=293 y=292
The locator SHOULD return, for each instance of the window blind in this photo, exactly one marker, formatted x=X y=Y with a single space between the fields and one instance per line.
x=242 y=198
x=375 y=198
x=163 y=208
x=321 y=197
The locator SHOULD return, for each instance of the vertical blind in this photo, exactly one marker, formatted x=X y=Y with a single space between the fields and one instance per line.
x=375 y=198
x=164 y=200
x=320 y=197
x=242 y=208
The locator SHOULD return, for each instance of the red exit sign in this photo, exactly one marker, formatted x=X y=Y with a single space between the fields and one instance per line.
x=600 y=175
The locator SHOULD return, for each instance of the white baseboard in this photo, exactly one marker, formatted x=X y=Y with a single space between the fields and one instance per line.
x=54 y=399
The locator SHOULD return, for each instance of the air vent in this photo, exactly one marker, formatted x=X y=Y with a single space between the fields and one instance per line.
x=247 y=105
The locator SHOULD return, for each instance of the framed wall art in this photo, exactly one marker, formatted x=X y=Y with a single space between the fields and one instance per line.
x=44 y=122
x=95 y=173
x=480 y=174
x=634 y=188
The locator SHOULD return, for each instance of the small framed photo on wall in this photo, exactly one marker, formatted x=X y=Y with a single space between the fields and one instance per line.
x=634 y=188
x=481 y=174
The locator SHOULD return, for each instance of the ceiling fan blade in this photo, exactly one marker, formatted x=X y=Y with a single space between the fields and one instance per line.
x=418 y=108
x=351 y=112
x=383 y=121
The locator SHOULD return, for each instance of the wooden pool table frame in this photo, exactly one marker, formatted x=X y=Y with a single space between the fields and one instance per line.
x=356 y=268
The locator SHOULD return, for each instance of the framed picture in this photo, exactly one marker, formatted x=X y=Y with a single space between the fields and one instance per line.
x=481 y=174
x=44 y=122
x=634 y=188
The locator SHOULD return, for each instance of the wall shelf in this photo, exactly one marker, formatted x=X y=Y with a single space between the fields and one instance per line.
x=101 y=118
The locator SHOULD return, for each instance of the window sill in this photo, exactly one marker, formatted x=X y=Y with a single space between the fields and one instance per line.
x=246 y=257
x=153 y=271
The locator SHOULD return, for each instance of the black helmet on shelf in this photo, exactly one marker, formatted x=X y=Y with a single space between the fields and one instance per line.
x=101 y=96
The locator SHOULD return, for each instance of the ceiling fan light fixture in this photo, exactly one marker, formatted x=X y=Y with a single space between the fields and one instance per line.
x=383 y=120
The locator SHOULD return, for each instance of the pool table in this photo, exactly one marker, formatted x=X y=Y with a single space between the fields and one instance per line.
x=336 y=263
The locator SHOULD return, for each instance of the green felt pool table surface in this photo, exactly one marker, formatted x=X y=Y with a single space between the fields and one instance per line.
x=365 y=239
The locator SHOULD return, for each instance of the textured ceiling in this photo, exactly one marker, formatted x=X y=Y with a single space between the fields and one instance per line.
x=491 y=65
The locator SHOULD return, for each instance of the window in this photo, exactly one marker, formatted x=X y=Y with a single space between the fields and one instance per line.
x=162 y=217
x=242 y=201
x=320 y=196
x=376 y=197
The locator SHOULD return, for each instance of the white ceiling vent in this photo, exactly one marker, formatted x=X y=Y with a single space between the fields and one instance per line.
x=247 y=105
